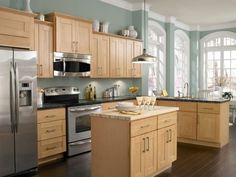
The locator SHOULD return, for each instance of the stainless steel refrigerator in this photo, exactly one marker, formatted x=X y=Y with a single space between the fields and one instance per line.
x=18 y=105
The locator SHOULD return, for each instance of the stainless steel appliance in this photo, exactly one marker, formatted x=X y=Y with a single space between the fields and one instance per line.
x=18 y=106
x=79 y=128
x=71 y=64
x=78 y=119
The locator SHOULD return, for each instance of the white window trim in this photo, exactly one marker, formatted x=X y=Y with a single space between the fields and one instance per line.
x=186 y=37
x=157 y=25
x=202 y=82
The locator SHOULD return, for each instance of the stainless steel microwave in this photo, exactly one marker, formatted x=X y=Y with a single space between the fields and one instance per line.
x=71 y=64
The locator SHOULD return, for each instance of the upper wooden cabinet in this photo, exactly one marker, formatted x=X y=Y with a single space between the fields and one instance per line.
x=101 y=56
x=117 y=57
x=16 y=29
x=72 y=34
x=133 y=49
x=43 y=44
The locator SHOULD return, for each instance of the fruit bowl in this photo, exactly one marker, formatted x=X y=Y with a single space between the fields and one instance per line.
x=133 y=89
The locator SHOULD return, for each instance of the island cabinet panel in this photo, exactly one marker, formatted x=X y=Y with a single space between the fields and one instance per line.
x=16 y=29
x=132 y=148
x=187 y=125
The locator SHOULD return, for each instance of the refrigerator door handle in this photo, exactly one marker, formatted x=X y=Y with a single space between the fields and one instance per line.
x=17 y=97
x=12 y=97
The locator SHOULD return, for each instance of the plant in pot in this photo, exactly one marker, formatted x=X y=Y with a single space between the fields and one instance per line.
x=227 y=95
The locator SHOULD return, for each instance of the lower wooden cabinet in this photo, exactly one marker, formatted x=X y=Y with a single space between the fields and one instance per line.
x=167 y=145
x=51 y=134
x=143 y=154
x=139 y=148
x=187 y=125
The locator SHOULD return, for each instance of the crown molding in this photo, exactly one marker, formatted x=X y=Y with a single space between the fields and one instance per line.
x=140 y=6
x=119 y=3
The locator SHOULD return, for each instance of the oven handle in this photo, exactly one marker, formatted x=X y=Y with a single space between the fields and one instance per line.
x=80 y=143
x=85 y=109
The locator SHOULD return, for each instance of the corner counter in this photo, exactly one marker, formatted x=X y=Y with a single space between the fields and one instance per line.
x=133 y=145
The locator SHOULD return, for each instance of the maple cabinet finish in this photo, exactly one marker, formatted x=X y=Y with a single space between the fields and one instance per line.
x=133 y=148
x=100 y=56
x=51 y=134
x=43 y=44
x=72 y=34
x=202 y=123
x=16 y=29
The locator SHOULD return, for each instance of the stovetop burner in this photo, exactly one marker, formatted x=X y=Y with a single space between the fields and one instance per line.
x=64 y=95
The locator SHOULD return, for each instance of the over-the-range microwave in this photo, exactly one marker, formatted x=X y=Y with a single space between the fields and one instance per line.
x=71 y=64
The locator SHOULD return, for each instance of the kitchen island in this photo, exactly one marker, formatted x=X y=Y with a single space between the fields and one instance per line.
x=140 y=145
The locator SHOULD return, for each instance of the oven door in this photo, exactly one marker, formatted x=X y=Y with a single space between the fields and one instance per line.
x=79 y=124
x=71 y=67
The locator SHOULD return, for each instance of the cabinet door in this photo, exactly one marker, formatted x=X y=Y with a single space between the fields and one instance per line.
x=137 y=156
x=187 y=125
x=138 y=49
x=83 y=37
x=162 y=140
x=129 y=57
x=150 y=153
x=208 y=127
x=172 y=144
x=100 y=54
x=117 y=57
x=65 y=35
x=45 y=50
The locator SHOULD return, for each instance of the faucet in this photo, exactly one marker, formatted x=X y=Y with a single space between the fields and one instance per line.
x=186 y=85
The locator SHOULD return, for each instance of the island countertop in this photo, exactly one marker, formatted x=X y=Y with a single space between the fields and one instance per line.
x=115 y=114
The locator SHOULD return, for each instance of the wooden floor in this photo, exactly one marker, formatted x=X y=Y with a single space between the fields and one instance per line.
x=193 y=161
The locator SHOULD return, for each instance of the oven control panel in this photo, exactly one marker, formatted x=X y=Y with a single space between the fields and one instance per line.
x=54 y=91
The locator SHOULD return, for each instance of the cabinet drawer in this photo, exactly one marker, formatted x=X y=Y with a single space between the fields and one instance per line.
x=208 y=108
x=143 y=126
x=51 y=129
x=51 y=147
x=166 y=120
x=166 y=103
x=187 y=106
x=50 y=115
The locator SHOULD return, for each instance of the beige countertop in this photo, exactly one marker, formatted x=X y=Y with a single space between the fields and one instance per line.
x=114 y=114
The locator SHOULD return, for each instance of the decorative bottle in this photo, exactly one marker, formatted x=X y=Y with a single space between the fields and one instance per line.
x=27 y=6
x=132 y=32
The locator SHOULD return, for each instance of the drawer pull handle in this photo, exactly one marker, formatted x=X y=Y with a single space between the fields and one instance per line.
x=166 y=121
x=50 y=131
x=208 y=108
x=143 y=144
x=145 y=126
x=50 y=116
x=50 y=148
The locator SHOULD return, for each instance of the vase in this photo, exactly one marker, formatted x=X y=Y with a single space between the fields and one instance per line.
x=96 y=25
x=105 y=26
x=132 y=32
x=27 y=6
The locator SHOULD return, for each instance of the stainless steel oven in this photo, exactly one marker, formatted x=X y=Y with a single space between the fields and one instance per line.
x=79 y=128
x=71 y=64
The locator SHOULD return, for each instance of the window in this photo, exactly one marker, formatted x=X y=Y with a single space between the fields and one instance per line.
x=181 y=61
x=219 y=62
x=156 y=47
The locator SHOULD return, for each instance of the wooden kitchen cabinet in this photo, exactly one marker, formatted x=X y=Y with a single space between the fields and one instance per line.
x=100 y=56
x=134 y=145
x=51 y=134
x=133 y=49
x=143 y=154
x=16 y=29
x=72 y=34
x=117 y=57
x=43 y=44
x=166 y=140
x=202 y=123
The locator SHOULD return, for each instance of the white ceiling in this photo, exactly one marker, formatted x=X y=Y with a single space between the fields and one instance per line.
x=195 y=12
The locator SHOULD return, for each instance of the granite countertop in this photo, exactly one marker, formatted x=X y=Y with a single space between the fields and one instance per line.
x=84 y=102
x=114 y=114
x=207 y=100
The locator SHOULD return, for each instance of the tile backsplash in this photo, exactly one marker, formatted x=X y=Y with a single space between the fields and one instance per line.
x=100 y=84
